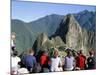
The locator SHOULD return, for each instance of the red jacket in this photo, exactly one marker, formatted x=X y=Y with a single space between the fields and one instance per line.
x=80 y=62
x=44 y=60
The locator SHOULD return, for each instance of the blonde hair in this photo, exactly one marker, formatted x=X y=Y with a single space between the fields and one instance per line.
x=55 y=50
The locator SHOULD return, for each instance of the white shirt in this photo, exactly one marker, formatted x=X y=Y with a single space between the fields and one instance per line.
x=69 y=63
x=14 y=64
x=14 y=61
x=55 y=62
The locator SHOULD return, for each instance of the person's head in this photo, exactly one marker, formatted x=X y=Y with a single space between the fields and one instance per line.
x=91 y=53
x=80 y=52
x=69 y=53
x=15 y=53
x=56 y=53
x=31 y=52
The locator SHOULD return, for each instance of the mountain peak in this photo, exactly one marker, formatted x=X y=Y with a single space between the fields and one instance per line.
x=68 y=24
x=70 y=15
x=86 y=11
x=68 y=18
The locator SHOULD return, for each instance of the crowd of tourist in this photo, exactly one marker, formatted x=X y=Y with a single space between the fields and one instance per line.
x=30 y=63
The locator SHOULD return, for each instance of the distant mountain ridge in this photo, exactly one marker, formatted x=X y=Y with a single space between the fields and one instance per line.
x=87 y=19
x=28 y=32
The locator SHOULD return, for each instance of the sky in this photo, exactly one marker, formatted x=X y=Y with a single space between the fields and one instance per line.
x=30 y=11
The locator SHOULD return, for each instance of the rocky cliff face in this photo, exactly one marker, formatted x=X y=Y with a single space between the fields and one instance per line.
x=69 y=34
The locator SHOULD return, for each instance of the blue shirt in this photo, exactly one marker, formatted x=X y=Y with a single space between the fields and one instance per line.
x=29 y=61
